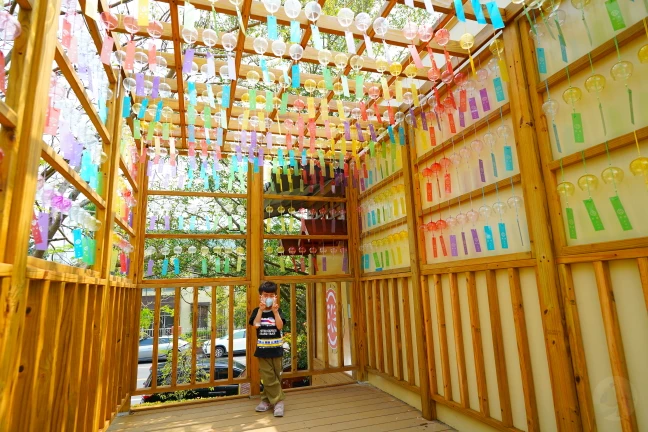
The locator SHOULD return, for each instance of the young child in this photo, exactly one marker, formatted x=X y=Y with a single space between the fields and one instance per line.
x=269 y=321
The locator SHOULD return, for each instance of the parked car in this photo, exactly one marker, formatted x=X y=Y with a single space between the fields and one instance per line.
x=239 y=340
x=239 y=344
x=202 y=373
x=165 y=345
x=220 y=372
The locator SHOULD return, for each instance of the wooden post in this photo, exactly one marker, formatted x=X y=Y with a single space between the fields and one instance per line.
x=31 y=68
x=357 y=301
x=255 y=253
x=427 y=404
x=535 y=198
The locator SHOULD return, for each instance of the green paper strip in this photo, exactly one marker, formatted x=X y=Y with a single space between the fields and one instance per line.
x=571 y=223
x=593 y=214
x=631 y=107
x=269 y=97
x=218 y=265
x=577 y=124
x=615 y=15
x=327 y=79
x=165 y=131
x=204 y=266
x=372 y=148
x=284 y=103
x=252 y=93
x=620 y=212
x=227 y=265
x=239 y=263
x=359 y=90
x=376 y=260
x=136 y=129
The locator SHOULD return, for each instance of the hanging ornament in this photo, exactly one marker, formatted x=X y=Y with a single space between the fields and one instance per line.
x=466 y=41
x=550 y=108
x=362 y=23
x=313 y=11
x=622 y=71
x=588 y=183
x=345 y=19
x=571 y=96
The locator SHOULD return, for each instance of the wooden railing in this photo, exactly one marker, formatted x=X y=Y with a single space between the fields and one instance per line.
x=390 y=334
x=305 y=308
x=79 y=335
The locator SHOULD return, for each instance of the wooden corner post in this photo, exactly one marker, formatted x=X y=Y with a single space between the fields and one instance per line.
x=31 y=68
x=427 y=404
x=561 y=373
x=255 y=254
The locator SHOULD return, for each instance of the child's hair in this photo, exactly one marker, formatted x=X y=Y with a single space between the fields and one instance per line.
x=268 y=287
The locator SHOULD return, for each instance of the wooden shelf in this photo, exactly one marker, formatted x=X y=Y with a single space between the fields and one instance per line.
x=79 y=90
x=305 y=237
x=582 y=63
x=124 y=226
x=474 y=194
x=599 y=149
x=382 y=183
x=482 y=123
x=384 y=227
x=8 y=117
x=57 y=162
x=195 y=194
x=128 y=175
x=302 y=198
x=195 y=236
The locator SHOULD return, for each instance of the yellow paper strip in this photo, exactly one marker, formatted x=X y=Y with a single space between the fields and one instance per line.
x=311 y=107
x=340 y=108
x=385 y=88
x=503 y=70
x=246 y=116
x=325 y=110
x=415 y=95
x=142 y=13
x=399 y=91
x=262 y=121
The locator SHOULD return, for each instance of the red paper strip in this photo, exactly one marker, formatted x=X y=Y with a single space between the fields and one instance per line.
x=462 y=100
x=130 y=56
x=434 y=247
x=66 y=36
x=392 y=118
x=415 y=56
x=453 y=128
x=151 y=55
x=35 y=230
x=428 y=188
x=106 y=50
x=363 y=111
x=447 y=183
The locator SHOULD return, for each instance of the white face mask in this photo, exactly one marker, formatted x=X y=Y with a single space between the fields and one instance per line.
x=269 y=302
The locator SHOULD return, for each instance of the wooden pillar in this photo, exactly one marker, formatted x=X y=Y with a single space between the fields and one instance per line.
x=31 y=68
x=356 y=299
x=427 y=404
x=535 y=199
x=255 y=258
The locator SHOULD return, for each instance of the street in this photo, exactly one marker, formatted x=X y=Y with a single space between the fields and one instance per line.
x=144 y=369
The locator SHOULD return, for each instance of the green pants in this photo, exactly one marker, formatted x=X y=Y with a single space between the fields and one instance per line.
x=270 y=370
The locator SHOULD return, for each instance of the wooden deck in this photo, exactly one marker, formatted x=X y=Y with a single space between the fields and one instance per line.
x=353 y=407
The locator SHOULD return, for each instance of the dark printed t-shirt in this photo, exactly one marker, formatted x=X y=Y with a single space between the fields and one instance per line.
x=269 y=340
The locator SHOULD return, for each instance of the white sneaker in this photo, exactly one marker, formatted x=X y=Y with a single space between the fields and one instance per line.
x=279 y=409
x=263 y=406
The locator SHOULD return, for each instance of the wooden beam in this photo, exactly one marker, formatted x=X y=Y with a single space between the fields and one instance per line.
x=524 y=354
x=8 y=117
x=498 y=349
x=177 y=51
x=79 y=90
x=458 y=340
x=642 y=263
x=31 y=67
x=478 y=350
x=535 y=200
x=443 y=338
x=579 y=362
x=55 y=160
x=627 y=410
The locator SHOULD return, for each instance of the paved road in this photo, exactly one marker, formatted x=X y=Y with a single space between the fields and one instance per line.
x=144 y=369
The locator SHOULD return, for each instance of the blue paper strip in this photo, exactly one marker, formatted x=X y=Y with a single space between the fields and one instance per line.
x=460 y=10
x=226 y=96
x=176 y=266
x=295 y=75
x=158 y=111
x=143 y=108
x=502 y=234
x=126 y=107
x=494 y=13
x=542 y=60
x=488 y=233
x=401 y=135
x=391 y=134
x=499 y=90
x=78 y=243
x=508 y=158
x=272 y=27
x=295 y=32
x=165 y=266
x=479 y=12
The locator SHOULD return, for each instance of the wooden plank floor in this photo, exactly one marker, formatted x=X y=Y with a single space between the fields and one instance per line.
x=356 y=407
